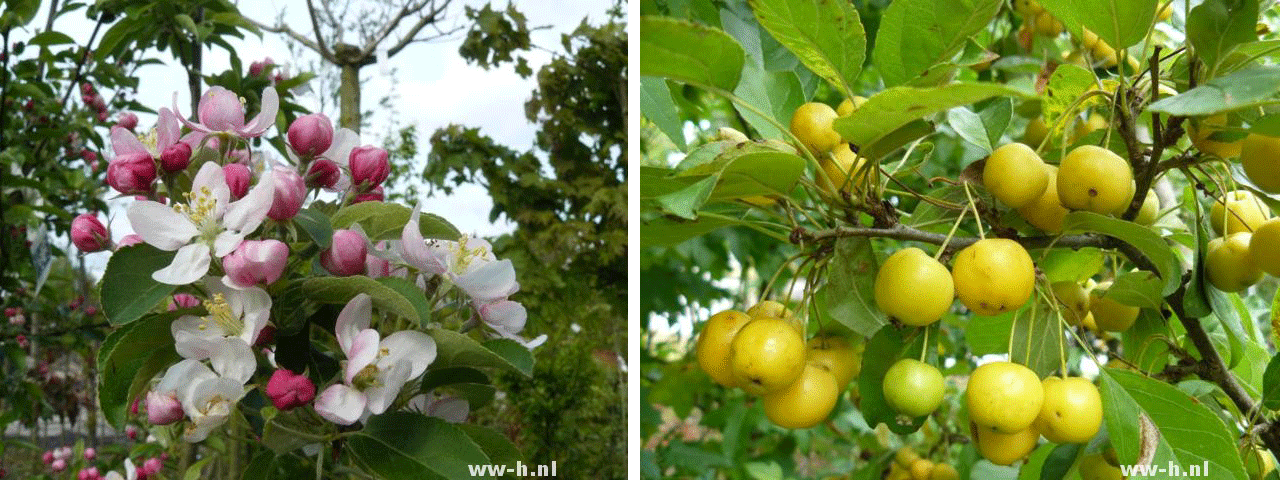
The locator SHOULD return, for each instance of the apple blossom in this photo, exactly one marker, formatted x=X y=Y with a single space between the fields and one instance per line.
x=183 y=300
x=88 y=233
x=58 y=465
x=163 y=408
x=446 y=407
x=311 y=135
x=468 y=263
x=209 y=396
x=127 y=120
x=130 y=239
x=176 y=157
x=166 y=134
x=90 y=453
x=238 y=179
x=345 y=255
x=222 y=111
x=373 y=195
x=131 y=432
x=290 y=192
x=323 y=173
x=369 y=167
x=130 y=472
x=153 y=465
x=256 y=68
x=47 y=457
x=131 y=173
x=288 y=390
x=208 y=224
x=235 y=316
x=376 y=367
x=255 y=262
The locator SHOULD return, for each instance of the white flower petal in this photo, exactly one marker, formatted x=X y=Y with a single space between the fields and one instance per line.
x=191 y=340
x=266 y=116
x=416 y=348
x=353 y=318
x=340 y=404
x=233 y=359
x=364 y=350
x=226 y=242
x=188 y=266
x=504 y=315
x=388 y=386
x=244 y=215
x=181 y=374
x=451 y=409
x=211 y=177
x=160 y=226
x=344 y=140
x=124 y=142
x=490 y=281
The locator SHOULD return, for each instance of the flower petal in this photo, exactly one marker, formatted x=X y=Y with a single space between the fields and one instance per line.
x=388 y=386
x=266 y=117
x=232 y=358
x=353 y=318
x=123 y=142
x=344 y=140
x=244 y=215
x=414 y=347
x=181 y=374
x=504 y=315
x=191 y=263
x=168 y=130
x=364 y=350
x=193 y=338
x=340 y=404
x=490 y=281
x=451 y=409
x=160 y=226
x=182 y=118
x=211 y=177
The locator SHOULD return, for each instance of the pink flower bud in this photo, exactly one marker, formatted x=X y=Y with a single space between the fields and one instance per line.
x=47 y=457
x=369 y=167
x=288 y=390
x=89 y=234
x=255 y=262
x=220 y=110
x=83 y=474
x=323 y=173
x=152 y=465
x=376 y=267
x=240 y=155
x=131 y=173
x=131 y=432
x=59 y=465
x=90 y=453
x=290 y=191
x=63 y=453
x=373 y=195
x=86 y=88
x=265 y=337
x=11 y=311
x=90 y=310
x=133 y=407
x=345 y=256
x=22 y=341
x=127 y=120
x=176 y=157
x=102 y=115
x=88 y=156
x=183 y=300
x=130 y=239
x=256 y=68
x=163 y=408
x=238 y=178
x=311 y=135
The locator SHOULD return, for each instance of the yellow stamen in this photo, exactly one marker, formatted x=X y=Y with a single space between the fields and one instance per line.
x=220 y=314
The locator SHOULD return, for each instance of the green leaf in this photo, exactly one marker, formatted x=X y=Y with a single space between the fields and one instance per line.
x=496 y=446
x=667 y=231
x=657 y=106
x=685 y=203
x=316 y=224
x=340 y=290
x=1067 y=84
x=1195 y=433
x=1215 y=27
x=51 y=37
x=1059 y=461
x=689 y=53
x=1143 y=343
x=1037 y=333
x=128 y=291
x=385 y=221
x=826 y=36
x=454 y=349
x=1245 y=88
x=1144 y=239
x=848 y=297
x=1119 y=412
x=1271 y=384
x=411 y=292
x=916 y=35
x=883 y=349
x=438 y=377
x=1138 y=289
x=291 y=430
x=1121 y=23
x=754 y=173
x=775 y=93
x=969 y=126
x=1232 y=323
x=127 y=357
x=892 y=108
x=1066 y=265
x=411 y=446
x=188 y=24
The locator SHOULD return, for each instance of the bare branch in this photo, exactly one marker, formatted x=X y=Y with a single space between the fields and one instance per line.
x=428 y=18
x=298 y=37
x=315 y=25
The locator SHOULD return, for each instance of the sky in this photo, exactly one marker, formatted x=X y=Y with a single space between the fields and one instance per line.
x=436 y=87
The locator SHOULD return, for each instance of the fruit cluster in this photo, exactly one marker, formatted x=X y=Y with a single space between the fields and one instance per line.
x=763 y=351
x=1010 y=408
x=908 y=465
x=1248 y=242
x=843 y=171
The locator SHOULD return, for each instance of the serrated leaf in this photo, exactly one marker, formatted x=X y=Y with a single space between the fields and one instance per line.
x=128 y=291
x=317 y=226
x=1121 y=23
x=1137 y=289
x=916 y=35
x=454 y=349
x=1271 y=384
x=689 y=53
x=826 y=36
x=848 y=296
x=775 y=93
x=895 y=107
x=1246 y=88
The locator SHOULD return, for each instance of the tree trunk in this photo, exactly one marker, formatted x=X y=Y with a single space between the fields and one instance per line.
x=349 y=97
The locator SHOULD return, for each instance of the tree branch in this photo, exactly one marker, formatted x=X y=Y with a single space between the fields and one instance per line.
x=427 y=19
x=298 y=37
x=902 y=232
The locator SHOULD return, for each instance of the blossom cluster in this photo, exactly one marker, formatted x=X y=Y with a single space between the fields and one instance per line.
x=228 y=254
